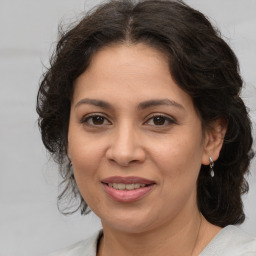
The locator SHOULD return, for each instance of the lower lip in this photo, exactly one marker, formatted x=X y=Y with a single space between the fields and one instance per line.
x=126 y=196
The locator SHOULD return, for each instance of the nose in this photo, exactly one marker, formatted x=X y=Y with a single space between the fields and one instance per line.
x=126 y=146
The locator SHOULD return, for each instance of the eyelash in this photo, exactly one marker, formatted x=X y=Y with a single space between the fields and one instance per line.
x=166 y=119
x=85 y=120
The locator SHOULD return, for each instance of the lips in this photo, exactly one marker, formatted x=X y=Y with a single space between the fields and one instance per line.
x=128 y=180
x=127 y=189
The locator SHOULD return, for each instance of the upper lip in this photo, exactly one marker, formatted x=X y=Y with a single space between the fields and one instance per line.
x=128 y=180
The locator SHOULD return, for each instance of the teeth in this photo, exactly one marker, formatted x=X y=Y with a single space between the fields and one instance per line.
x=122 y=186
x=129 y=186
x=137 y=185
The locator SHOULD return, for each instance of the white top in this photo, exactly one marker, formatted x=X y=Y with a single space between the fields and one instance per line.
x=230 y=241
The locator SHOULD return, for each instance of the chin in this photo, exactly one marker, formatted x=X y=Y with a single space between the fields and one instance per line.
x=129 y=223
x=130 y=228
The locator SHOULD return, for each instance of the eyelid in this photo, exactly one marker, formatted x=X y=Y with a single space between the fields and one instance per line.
x=86 y=117
x=170 y=120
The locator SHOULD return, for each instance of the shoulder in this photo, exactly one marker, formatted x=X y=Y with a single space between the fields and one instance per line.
x=87 y=247
x=231 y=241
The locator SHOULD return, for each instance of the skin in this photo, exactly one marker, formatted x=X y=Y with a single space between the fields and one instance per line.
x=129 y=141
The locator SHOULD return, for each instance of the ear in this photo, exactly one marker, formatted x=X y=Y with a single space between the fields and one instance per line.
x=213 y=140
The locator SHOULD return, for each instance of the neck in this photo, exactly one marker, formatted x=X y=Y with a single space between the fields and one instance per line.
x=179 y=238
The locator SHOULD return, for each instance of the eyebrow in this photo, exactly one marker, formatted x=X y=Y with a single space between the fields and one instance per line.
x=94 y=102
x=159 y=102
x=141 y=106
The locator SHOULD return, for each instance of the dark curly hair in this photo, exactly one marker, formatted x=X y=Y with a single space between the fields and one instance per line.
x=201 y=63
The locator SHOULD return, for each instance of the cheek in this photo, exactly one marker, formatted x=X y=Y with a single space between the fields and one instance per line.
x=85 y=164
x=179 y=163
x=84 y=152
x=179 y=156
x=86 y=157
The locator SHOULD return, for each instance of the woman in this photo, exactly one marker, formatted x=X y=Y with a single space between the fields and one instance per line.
x=141 y=109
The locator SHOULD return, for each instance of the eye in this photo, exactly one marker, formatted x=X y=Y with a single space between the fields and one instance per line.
x=95 y=120
x=160 y=120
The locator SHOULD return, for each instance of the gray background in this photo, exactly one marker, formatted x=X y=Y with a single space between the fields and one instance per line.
x=29 y=220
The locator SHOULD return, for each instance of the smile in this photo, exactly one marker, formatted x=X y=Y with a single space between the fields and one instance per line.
x=127 y=189
x=122 y=186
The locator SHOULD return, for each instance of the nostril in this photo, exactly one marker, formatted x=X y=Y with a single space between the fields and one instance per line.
x=124 y=152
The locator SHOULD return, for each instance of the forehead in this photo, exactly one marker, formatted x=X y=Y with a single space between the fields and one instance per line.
x=129 y=72
x=125 y=63
x=127 y=57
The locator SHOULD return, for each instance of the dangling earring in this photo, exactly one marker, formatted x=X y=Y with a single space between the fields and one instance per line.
x=211 y=167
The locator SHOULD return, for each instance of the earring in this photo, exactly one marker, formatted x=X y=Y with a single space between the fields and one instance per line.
x=211 y=167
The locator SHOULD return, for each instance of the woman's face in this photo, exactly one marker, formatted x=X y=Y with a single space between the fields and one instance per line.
x=135 y=140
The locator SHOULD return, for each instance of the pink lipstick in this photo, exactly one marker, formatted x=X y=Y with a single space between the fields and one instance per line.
x=127 y=189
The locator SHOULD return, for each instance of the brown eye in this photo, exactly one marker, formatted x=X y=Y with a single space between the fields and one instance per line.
x=159 y=120
x=98 y=120
x=95 y=120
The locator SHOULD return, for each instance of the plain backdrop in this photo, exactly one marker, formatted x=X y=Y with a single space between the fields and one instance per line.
x=30 y=224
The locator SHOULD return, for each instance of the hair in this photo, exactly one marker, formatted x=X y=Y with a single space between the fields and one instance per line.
x=201 y=63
